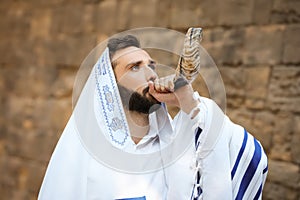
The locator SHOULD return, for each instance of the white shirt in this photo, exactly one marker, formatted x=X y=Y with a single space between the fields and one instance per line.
x=96 y=159
x=74 y=174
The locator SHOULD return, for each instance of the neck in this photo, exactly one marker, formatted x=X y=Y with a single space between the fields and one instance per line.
x=138 y=125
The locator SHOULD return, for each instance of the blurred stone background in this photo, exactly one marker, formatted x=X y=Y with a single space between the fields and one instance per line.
x=255 y=44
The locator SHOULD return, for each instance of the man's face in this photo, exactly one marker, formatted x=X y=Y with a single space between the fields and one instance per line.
x=134 y=68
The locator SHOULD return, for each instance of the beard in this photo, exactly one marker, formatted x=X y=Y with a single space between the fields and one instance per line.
x=133 y=101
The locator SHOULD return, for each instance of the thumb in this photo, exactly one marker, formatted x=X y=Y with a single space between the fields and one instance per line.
x=151 y=87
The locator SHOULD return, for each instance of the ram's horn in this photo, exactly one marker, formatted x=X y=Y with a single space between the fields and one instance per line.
x=189 y=61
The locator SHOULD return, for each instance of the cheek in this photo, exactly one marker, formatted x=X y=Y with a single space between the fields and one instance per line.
x=133 y=81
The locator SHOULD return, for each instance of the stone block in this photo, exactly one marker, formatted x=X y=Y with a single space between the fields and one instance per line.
x=263 y=128
x=275 y=191
x=6 y=191
x=54 y=112
x=212 y=35
x=53 y=3
x=257 y=80
x=291 y=43
x=282 y=136
x=33 y=145
x=9 y=168
x=285 y=81
x=256 y=87
x=2 y=102
x=33 y=130
x=122 y=15
x=234 y=79
x=2 y=137
x=91 y=1
x=107 y=16
x=16 y=109
x=162 y=17
x=18 y=51
x=262 y=11
x=285 y=11
x=234 y=101
x=235 y=12
x=284 y=89
x=142 y=13
x=72 y=19
x=255 y=103
x=63 y=85
x=34 y=177
x=284 y=173
x=184 y=15
x=284 y=104
x=295 y=143
x=208 y=17
x=59 y=115
x=263 y=45
x=68 y=50
x=34 y=126
x=241 y=116
x=224 y=45
x=22 y=178
x=165 y=39
x=29 y=81
x=15 y=19
x=40 y=24
x=286 y=6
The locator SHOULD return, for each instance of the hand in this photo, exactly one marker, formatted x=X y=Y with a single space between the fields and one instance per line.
x=163 y=90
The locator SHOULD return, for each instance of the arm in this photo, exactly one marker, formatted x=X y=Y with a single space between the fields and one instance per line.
x=231 y=163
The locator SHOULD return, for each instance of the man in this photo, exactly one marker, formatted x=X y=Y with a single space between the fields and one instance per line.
x=200 y=154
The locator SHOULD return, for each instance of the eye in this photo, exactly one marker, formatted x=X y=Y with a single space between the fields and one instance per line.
x=135 y=68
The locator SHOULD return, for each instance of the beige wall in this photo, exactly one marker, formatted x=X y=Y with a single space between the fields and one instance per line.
x=255 y=44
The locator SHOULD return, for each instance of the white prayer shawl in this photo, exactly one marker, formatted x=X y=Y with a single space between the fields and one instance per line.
x=221 y=162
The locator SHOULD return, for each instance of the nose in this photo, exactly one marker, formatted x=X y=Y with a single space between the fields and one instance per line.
x=150 y=74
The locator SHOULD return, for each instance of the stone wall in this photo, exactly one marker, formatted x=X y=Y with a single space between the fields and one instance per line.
x=255 y=44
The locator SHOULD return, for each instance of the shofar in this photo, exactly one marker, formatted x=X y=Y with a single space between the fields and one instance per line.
x=189 y=61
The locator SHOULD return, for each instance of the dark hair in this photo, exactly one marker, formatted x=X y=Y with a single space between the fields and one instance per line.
x=118 y=43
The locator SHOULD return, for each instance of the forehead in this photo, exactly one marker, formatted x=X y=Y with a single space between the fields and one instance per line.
x=130 y=54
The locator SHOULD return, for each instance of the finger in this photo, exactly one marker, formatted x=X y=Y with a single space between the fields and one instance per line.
x=151 y=87
x=156 y=85
x=169 y=98
x=171 y=85
x=162 y=84
x=166 y=84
